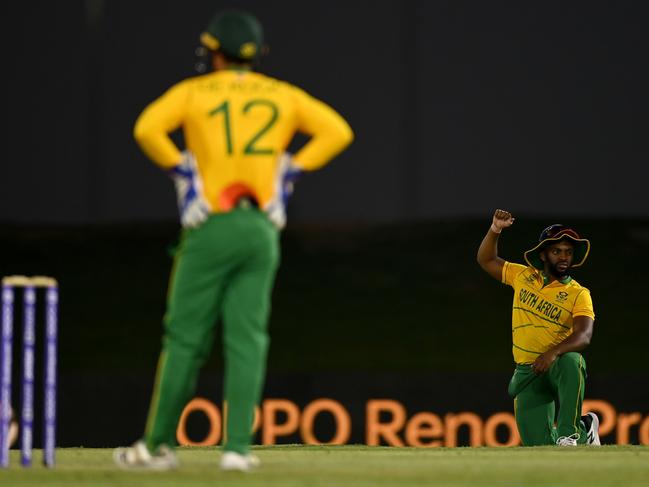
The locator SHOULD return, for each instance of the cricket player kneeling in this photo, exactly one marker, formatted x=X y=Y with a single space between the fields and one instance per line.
x=552 y=322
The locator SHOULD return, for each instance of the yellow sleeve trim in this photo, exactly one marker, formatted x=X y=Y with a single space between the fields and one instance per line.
x=582 y=313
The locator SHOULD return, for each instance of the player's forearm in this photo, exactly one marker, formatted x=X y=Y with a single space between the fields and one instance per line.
x=158 y=147
x=574 y=343
x=323 y=147
x=582 y=332
x=488 y=250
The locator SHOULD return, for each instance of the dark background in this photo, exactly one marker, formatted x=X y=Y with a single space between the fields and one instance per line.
x=458 y=108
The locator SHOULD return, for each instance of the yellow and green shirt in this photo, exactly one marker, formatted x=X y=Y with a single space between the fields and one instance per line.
x=237 y=124
x=542 y=315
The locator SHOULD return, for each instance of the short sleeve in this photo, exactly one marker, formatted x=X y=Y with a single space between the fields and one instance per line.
x=510 y=271
x=584 y=305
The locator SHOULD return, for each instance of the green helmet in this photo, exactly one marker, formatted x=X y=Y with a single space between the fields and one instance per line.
x=236 y=34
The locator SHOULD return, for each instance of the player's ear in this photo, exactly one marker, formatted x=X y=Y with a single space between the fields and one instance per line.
x=542 y=256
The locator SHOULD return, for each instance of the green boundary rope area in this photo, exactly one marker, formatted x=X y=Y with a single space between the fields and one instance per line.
x=297 y=465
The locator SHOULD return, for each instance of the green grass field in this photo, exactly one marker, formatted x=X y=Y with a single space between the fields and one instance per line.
x=295 y=465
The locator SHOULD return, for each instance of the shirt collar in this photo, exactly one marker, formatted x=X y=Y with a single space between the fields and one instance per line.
x=564 y=280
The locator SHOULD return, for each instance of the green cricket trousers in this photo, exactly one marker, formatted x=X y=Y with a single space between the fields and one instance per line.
x=535 y=396
x=223 y=269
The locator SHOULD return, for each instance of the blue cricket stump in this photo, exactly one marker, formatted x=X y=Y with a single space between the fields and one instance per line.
x=51 y=347
x=29 y=286
x=5 y=371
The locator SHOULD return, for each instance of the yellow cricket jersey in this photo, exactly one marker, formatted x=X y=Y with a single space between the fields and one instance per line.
x=542 y=315
x=237 y=124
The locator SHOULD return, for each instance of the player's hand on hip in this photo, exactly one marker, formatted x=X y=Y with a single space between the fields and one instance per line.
x=192 y=205
x=502 y=219
x=287 y=174
x=543 y=362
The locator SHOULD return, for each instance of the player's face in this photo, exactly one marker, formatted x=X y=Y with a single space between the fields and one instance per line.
x=558 y=258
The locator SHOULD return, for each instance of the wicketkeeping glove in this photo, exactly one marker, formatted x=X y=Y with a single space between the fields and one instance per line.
x=287 y=174
x=192 y=205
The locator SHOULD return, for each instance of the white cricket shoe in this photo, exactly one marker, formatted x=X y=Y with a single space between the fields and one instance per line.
x=591 y=423
x=233 y=461
x=138 y=457
x=568 y=440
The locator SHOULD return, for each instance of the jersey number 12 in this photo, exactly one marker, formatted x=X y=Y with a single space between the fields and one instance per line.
x=251 y=147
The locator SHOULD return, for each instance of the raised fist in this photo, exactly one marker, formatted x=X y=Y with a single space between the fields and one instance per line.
x=502 y=219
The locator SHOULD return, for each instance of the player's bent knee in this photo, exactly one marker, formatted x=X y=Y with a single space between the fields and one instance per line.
x=571 y=359
x=571 y=362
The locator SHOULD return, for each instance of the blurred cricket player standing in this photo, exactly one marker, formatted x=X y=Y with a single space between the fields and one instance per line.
x=232 y=183
x=552 y=321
